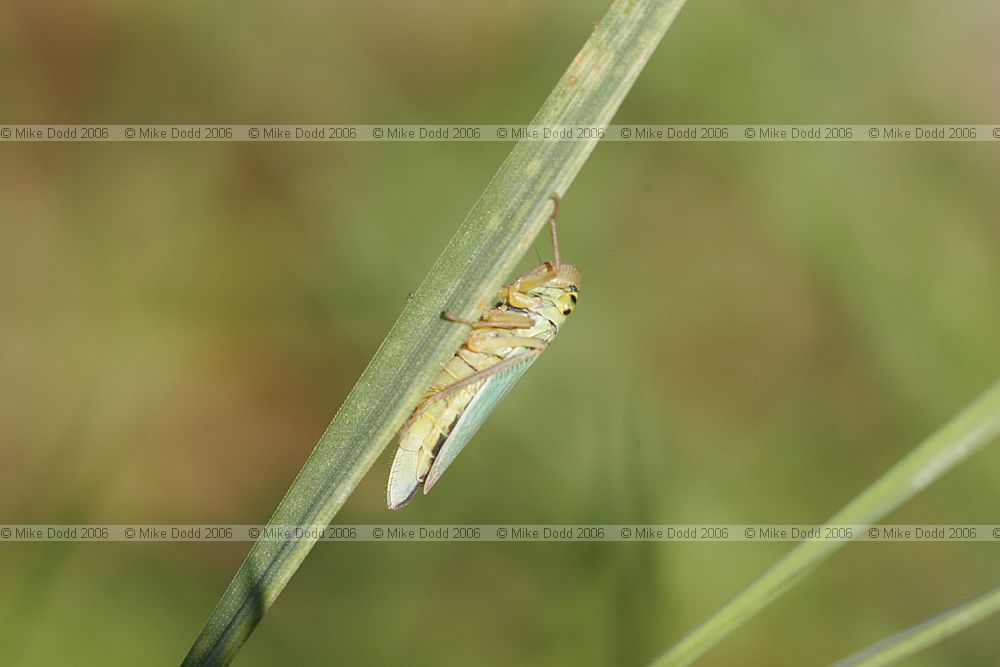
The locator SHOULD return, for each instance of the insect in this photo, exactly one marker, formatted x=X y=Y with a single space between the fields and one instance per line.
x=500 y=347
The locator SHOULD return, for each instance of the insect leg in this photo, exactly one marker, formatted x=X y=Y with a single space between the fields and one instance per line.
x=516 y=294
x=494 y=343
x=494 y=319
x=527 y=282
x=552 y=225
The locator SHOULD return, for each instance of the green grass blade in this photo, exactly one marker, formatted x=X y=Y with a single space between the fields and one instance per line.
x=494 y=236
x=975 y=427
x=902 y=644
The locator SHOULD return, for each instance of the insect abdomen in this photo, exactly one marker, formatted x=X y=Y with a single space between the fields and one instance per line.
x=420 y=440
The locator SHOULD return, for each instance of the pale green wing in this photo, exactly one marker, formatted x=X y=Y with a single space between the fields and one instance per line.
x=482 y=404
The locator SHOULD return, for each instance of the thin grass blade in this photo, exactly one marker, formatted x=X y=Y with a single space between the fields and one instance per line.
x=974 y=428
x=903 y=644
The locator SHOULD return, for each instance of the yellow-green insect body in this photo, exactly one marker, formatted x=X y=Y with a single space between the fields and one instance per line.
x=503 y=343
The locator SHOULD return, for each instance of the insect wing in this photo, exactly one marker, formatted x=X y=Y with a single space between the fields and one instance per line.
x=403 y=483
x=480 y=407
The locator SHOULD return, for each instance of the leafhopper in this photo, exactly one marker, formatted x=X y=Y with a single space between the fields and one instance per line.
x=500 y=347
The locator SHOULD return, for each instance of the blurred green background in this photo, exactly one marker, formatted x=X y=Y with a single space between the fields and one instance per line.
x=764 y=328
